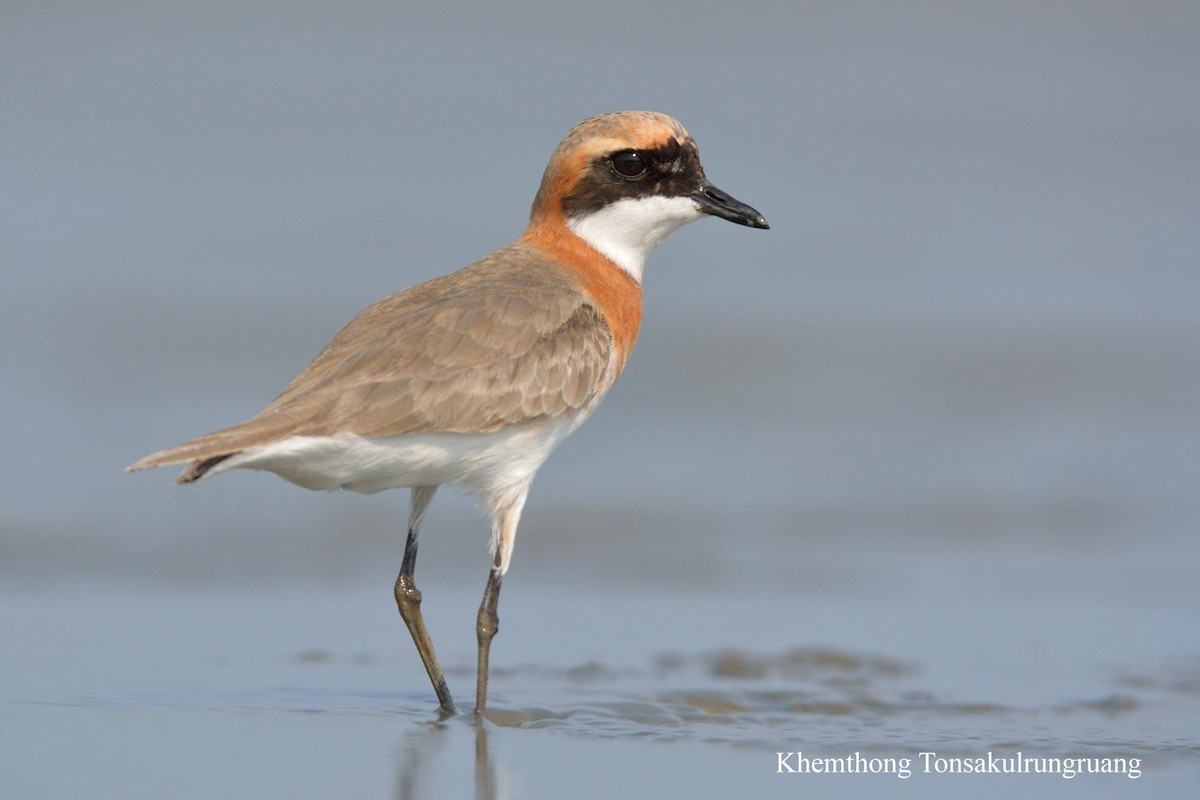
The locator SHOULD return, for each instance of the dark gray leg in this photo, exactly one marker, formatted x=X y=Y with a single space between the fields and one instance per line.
x=408 y=598
x=506 y=512
x=486 y=625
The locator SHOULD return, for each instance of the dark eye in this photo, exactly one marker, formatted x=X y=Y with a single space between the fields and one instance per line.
x=628 y=164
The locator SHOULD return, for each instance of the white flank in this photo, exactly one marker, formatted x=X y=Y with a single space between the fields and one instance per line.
x=628 y=230
x=497 y=466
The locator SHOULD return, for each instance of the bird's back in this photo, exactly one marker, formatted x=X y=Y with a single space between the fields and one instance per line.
x=510 y=339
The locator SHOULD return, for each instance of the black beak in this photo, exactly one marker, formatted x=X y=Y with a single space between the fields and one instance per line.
x=713 y=201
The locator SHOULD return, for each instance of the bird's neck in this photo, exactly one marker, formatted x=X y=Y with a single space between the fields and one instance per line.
x=614 y=292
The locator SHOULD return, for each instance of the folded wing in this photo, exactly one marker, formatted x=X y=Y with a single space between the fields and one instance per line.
x=506 y=341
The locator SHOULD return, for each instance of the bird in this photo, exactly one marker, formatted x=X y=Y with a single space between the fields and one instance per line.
x=472 y=379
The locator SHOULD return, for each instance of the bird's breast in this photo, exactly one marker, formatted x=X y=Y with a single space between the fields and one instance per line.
x=615 y=293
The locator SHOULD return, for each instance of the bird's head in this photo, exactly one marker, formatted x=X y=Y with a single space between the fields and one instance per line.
x=624 y=181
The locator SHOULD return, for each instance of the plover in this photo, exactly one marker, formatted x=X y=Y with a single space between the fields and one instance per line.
x=474 y=378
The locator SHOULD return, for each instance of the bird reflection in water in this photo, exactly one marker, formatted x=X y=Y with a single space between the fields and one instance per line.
x=420 y=753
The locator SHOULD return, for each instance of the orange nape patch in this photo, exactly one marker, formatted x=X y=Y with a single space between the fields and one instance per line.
x=615 y=292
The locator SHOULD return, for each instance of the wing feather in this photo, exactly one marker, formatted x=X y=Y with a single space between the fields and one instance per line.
x=506 y=341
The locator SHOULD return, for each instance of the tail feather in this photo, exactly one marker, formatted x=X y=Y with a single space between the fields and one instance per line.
x=199 y=468
x=204 y=453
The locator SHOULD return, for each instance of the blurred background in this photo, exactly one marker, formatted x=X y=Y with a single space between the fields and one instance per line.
x=962 y=369
x=976 y=308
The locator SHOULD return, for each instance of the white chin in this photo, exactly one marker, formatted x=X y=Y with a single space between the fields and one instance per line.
x=627 y=230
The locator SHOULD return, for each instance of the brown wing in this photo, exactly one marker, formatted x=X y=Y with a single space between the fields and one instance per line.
x=508 y=340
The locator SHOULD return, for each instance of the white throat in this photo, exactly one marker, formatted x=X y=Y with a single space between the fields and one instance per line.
x=627 y=230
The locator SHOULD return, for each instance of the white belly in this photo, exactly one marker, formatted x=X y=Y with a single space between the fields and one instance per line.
x=489 y=463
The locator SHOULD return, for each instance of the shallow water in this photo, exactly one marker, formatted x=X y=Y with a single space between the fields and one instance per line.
x=305 y=692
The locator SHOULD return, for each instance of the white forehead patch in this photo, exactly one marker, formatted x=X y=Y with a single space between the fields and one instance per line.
x=627 y=230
